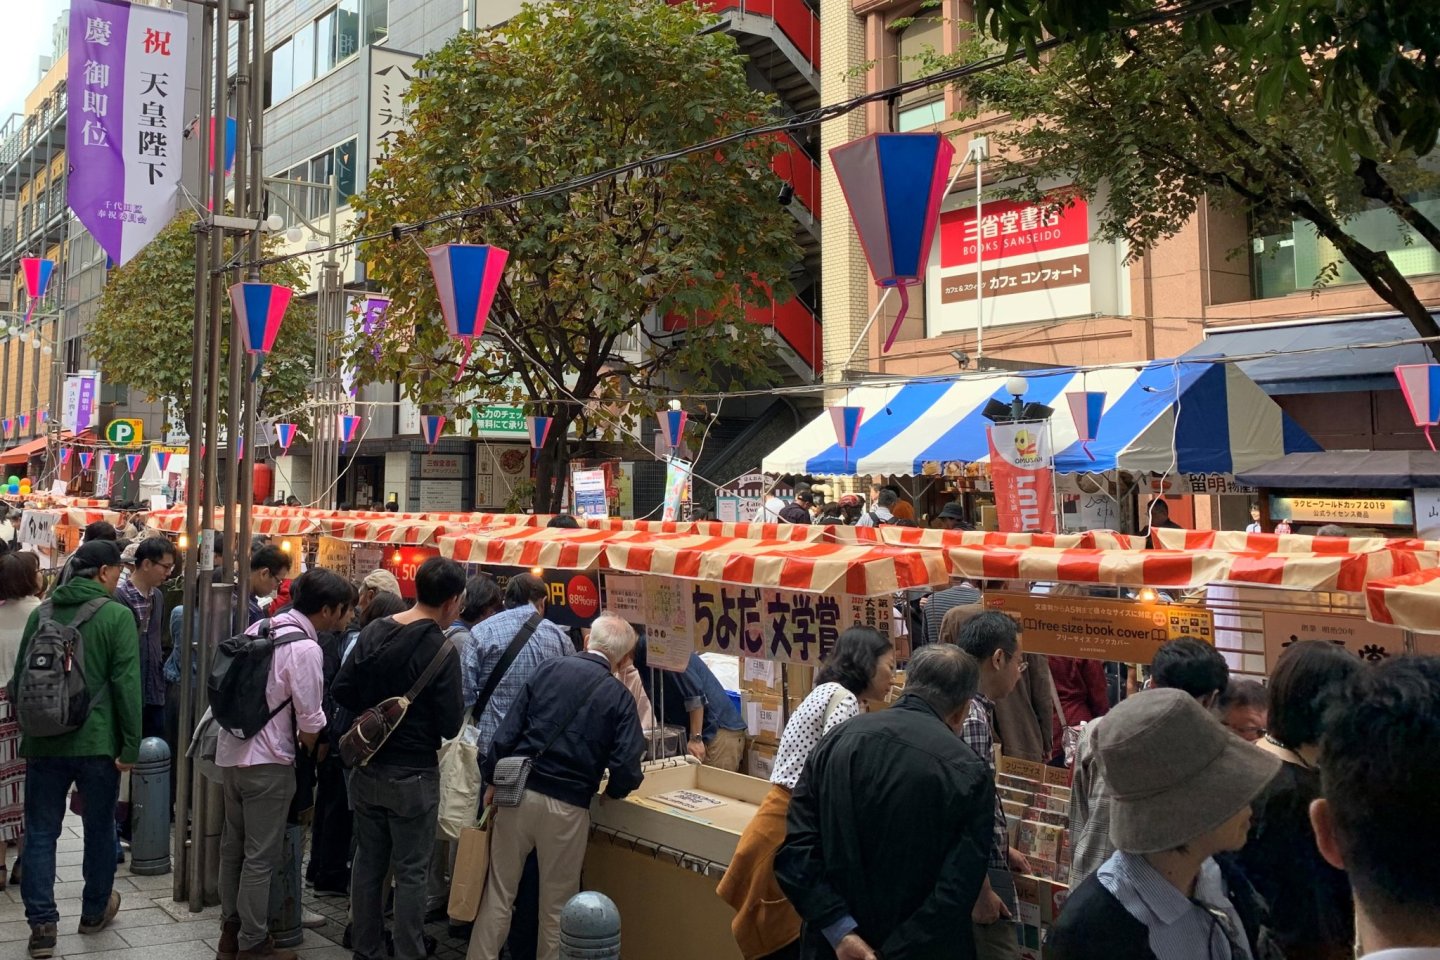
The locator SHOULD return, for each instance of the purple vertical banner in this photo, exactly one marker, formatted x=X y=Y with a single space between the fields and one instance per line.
x=85 y=407
x=126 y=88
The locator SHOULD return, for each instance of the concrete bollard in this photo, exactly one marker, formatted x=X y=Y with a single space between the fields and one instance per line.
x=285 y=891
x=590 y=928
x=150 y=809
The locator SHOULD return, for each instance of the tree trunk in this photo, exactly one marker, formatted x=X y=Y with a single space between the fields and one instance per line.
x=1378 y=271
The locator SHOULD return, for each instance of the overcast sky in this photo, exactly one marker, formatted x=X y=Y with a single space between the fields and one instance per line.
x=25 y=37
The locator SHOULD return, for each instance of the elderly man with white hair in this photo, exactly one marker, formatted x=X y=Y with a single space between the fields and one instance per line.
x=574 y=721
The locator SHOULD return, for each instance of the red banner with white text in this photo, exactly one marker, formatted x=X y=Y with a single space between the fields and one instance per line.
x=1022 y=473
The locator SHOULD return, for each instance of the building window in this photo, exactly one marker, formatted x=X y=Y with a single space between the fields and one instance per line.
x=1285 y=263
x=322 y=44
x=311 y=202
x=923 y=38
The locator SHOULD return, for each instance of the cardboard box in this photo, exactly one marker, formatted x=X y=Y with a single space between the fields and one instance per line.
x=760 y=760
x=765 y=677
x=710 y=834
x=764 y=720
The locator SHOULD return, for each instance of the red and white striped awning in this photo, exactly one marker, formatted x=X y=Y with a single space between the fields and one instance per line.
x=944 y=539
x=527 y=547
x=390 y=532
x=857 y=569
x=262 y=525
x=81 y=517
x=1188 y=568
x=1411 y=601
x=1236 y=540
x=715 y=528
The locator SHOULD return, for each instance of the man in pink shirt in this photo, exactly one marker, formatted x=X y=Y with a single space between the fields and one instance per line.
x=259 y=773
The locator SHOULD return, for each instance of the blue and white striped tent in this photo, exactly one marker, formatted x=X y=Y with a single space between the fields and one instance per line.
x=1190 y=415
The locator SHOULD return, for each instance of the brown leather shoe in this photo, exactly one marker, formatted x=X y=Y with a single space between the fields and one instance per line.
x=229 y=940
x=267 y=951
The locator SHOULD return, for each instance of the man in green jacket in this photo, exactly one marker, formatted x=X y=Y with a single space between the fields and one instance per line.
x=91 y=757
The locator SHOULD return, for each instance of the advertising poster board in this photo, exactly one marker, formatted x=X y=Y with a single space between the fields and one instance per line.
x=1022 y=473
x=1371 y=642
x=1098 y=629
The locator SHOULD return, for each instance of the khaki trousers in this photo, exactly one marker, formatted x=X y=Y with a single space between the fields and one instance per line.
x=996 y=941
x=726 y=751
x=558 y=833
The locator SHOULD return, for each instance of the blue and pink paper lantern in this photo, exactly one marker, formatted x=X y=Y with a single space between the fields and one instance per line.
x=431 y=425
x=24 y=423
x=37 y=273
x=6 y=425
x=349 y=426
x=86 y=458
x=672 y=427
x=132 y=463
x=466 y=278
x=44 y=416
x=1420 y=382
x=259 y=311
x=893 y=184
x=162 y=461
x=107 y=461
x=64 y=456
x=285 y=433
x=1086 y=407
x=847 y=422
x=539 y=430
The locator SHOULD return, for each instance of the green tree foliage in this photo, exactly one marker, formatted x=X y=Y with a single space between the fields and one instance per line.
x=144 y=331
x=1152 y=124
x=1375 y=61
x=561 y=91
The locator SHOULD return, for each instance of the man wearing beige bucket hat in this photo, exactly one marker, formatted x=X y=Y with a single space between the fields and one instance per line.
x=1180 y=792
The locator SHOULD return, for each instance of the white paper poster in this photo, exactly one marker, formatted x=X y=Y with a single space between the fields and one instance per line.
x=668 y=638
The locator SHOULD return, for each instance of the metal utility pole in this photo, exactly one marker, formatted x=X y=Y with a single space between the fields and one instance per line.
x=216 y=610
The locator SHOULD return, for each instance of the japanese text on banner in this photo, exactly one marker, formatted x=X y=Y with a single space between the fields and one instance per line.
x=794 y=627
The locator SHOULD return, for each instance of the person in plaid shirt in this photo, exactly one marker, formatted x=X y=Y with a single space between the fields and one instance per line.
x=993 y=639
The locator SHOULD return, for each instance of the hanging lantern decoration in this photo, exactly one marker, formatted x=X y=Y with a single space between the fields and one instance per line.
x=1420 y=382
x=132 y=463
x=239 y=448
x=162 y=461
x=64 y=456
x=285 y=433
x=44 y=416
x=466 y=278
x=349 y=426
x=24 y=423
x=86 y=457
x=672 y=428
x=1086 y=406
x=847 y=427
x=259 y=311
x=37 y=273
x=107 y=461
x=6 y=425
x=539 y=430
x=431 y=426
x=893 y=184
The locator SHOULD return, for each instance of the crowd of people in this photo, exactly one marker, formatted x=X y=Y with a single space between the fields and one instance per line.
x=1210 y=816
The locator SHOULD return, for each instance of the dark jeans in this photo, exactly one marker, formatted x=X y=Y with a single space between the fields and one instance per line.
x=47 y=787
x=395 y=811
x=329 y=867
x=152 y=722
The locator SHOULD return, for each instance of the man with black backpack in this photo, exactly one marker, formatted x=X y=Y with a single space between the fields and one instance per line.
x=883 y=514
x=76 y=690
x=403 y=680
x=266 y=694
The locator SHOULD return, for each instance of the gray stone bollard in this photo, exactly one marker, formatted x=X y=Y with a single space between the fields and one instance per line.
x=590 y=928
x=285 y=891
x=150 y=809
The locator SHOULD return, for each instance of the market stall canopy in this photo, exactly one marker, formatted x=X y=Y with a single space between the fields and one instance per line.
x=1181 y=416
x=920 y=537
x=261 y=524
x=1181 y=569
x=1176 y=539
x=1348 y=470
x=715 y=528
x=1299 y=357
x=526 y=547
x=33 y=448
x=855 y=569
x=1411 y=601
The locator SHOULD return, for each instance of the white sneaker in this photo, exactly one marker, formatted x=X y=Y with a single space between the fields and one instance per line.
x=311 y=921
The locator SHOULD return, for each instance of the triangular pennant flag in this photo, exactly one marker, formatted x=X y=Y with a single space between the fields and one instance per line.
x=672 y=427
x=466 y=278
x=6 y=425
x=259 y=311
x=431 y=425
x=132 y=463
x=162 y=462
x=107 y=461
x=285 y=434
x=64 y=455
x=24 y=422
x=86 y=457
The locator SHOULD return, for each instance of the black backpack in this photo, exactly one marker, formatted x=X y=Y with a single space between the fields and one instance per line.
x=48 y=688
x=878 y=521
x=239 y=678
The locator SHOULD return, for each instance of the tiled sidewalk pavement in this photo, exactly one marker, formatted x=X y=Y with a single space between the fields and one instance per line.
x=150 y=926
